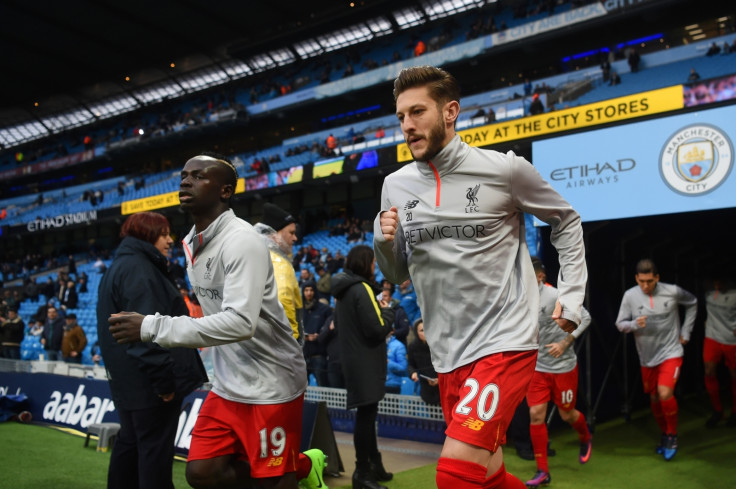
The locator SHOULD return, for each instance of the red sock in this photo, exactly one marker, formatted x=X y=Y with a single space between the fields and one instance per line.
x=733 y=395
x=503 y=480
x=711 y=386
x=303 y=466
x=669 y=410
x=582 y=428
x=459 y=474
x=658 y=415
x=539 y=436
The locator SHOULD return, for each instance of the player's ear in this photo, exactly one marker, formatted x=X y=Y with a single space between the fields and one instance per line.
x=227 y=191
x=451 y=111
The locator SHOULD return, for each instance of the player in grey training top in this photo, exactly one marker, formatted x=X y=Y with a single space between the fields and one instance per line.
x=720 y=345
x=651 y=312
x=456 y=216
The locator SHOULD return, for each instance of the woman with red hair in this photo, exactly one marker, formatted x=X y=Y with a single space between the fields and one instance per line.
x=148 y=382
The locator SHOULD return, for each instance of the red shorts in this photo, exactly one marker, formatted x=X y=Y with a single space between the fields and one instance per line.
x=666 y=373
x=562 y=389
x=479 y=399
x=714 y=352
x=268 y=436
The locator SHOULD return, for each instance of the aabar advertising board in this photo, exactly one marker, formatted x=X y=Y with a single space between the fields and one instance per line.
x=681 y=163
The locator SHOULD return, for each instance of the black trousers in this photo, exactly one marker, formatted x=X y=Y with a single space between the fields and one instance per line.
x=143 y=453
x=364 y=436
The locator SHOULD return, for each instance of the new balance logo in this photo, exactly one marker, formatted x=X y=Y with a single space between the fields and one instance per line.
x=410 y=204
x=473 y=424
x=275 y=461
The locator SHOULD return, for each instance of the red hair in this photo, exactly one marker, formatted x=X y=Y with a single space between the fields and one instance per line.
x=146 y=226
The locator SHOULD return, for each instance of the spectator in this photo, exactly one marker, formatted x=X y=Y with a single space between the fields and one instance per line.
x=397 y=365
x=537 y=107
x=278 y=228
x=408 y=300
x=12 y=331
x=71 y=267
x=634 y=59
x=491 y=116
x=335 y=263
x=30 y=289
x=82 y=281
x=380 y=133
x=615 y=79
x=713 y=49
x=74 y=340
x=70 y=298
x=323 y=283
x=527 y=87
x=420 y=48
x=328 y=337
x=36 y=328
x=363 y=326
x=694 y=76
x=53 y=332
x=315 y=353
x=331 y=144
x=99 y=265
x=147 y=382
x=606 y=70
x=420 y=366
x=195 y=310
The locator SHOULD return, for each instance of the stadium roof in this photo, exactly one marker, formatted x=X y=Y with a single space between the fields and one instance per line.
x=62 y=55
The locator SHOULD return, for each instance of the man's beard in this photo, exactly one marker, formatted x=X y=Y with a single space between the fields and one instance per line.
x=434 y=141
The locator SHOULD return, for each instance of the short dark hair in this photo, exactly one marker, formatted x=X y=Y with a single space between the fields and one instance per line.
x=146 y=226
x=538 y=265
x=233 y=176
x=646 y=266
x=359 y=261
x=442 y=86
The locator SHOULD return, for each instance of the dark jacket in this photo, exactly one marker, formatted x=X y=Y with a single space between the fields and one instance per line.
x=70 y=298
x=363 y=326
x=139 y=372
x=328 y=339
x=12 y=332
x=314 y=316
x=53 y=332
x=420 y=361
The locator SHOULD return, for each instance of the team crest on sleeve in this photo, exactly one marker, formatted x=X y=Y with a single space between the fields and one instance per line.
x=696 y=159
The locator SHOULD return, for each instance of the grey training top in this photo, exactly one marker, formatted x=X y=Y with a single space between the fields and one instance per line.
x=721 y=323
x=660 y=339
x=461 y=239
x=256 y=358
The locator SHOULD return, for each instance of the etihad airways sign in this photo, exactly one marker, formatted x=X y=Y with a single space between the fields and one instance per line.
x=680 y=163
x=614 y=110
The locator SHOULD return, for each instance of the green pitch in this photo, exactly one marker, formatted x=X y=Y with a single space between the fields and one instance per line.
x=623 y=457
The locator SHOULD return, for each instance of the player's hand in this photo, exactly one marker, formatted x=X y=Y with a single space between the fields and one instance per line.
x=641 y=321
x=389 y=222
x=166 y=397
x=565 y=324
x=125 y=327
x=683 y=341
x=555 y=349
x=433 y=382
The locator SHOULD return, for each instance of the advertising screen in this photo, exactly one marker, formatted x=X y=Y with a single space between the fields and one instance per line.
x=325 y=168
x=669 y=165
